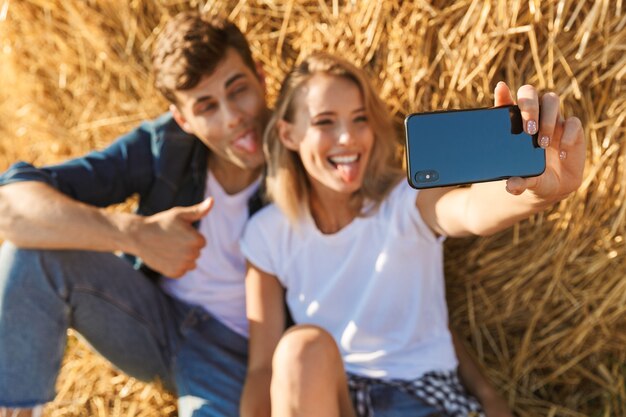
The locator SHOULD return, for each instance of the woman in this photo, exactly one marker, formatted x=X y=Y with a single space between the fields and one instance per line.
x=358 y=254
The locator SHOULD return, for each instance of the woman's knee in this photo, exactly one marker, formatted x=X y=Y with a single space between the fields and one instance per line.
x=305 y=345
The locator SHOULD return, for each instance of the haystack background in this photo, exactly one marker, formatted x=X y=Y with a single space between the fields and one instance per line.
x=542 y=306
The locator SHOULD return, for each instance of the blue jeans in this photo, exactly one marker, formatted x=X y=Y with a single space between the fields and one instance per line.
x=384 y=400
x=124 y=316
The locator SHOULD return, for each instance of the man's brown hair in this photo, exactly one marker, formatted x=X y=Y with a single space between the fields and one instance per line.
x=190 y=47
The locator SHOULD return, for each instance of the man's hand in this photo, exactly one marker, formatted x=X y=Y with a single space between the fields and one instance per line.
x=167 y=241
x=562 y=138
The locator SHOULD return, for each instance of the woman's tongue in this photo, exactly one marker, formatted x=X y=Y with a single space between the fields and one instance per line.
x=246 y=143
x=348 y=171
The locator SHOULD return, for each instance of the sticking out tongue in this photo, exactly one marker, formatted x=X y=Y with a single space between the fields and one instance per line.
x=348 y=171
x=246 y=143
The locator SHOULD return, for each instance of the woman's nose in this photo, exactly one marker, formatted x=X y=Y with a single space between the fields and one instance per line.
x=345 y=136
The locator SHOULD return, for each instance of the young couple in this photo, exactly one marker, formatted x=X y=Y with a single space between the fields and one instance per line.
x=355 y=253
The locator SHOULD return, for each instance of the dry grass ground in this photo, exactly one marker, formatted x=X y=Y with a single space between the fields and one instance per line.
x=543 y=306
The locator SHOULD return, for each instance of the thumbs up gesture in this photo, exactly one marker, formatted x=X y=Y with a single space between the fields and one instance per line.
x=167 y=241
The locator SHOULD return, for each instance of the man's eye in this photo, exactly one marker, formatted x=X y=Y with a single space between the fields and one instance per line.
x=206 y=107
x=240 y=89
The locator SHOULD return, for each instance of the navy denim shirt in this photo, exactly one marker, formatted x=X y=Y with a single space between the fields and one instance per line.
x=158 y=161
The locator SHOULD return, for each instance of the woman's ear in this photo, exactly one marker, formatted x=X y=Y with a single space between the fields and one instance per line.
x=285 y=134
x=180 y=119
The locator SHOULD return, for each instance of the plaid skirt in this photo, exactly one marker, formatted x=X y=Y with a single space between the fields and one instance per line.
x=441 y=390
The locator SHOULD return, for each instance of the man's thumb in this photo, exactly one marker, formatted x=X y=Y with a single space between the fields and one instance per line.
x=198 y=211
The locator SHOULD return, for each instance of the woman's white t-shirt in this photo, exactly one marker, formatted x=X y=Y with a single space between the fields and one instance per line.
x=377 y=285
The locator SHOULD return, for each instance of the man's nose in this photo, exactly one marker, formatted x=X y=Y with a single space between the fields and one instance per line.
x=233 y=114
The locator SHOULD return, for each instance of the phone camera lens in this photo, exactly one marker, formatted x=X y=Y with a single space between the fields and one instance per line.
x=426 y=176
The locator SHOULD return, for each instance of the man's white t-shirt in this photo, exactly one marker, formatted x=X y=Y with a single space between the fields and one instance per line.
x=218 y=282
x=377 y=285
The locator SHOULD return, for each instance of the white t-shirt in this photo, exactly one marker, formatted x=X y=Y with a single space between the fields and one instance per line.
x=217 y=284
x=377 y=285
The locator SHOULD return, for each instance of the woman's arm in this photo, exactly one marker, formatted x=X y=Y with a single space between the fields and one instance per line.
x=477 y=384
x=487 y=208
x=266 y=315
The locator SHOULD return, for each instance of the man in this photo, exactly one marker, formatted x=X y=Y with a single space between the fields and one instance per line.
x=196 y=170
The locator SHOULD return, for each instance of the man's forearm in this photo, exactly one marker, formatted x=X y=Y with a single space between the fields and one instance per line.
x=35 y=215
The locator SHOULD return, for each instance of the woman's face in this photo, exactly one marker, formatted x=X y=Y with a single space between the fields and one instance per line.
x=331 y=133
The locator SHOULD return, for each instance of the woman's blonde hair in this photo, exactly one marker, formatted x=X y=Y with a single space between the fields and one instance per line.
x=287 y=181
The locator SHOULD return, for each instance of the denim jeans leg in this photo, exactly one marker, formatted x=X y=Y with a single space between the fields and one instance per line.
x=388 y=401
x=210 y=367
x=121 y=313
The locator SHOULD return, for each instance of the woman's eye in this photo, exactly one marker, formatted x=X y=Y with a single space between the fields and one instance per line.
x=322 y=122
x=360 y=119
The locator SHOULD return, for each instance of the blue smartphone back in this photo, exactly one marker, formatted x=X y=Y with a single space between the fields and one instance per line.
x=467 y=146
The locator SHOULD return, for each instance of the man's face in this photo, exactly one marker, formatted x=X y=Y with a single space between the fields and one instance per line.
x=227 y=111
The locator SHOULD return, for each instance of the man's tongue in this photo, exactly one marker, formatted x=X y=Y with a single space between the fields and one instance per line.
x=246 y=143
x=348 y=172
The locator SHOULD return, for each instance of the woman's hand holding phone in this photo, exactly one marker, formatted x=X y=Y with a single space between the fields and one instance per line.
x=485 y=207
x=563 y=140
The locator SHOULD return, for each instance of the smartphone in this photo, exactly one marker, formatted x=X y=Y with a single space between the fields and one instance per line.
x=468 y=146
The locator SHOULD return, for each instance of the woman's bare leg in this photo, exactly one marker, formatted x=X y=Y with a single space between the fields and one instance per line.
x=308 y=378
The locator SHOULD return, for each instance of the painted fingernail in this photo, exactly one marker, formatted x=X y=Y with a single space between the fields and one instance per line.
x=562 y=155
x=531 y=127
x=544 y=142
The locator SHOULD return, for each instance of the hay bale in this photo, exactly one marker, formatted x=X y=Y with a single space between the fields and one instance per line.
x=89 y=386
x=542 y=305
